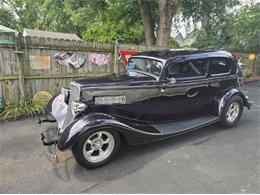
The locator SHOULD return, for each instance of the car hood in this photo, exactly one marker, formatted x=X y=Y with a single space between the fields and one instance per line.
x=110 y=81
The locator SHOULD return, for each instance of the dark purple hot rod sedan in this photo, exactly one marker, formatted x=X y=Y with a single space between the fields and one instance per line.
x=162 y=94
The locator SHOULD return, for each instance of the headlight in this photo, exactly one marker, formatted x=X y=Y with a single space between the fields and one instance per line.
x=65 y=92
x=78 y=107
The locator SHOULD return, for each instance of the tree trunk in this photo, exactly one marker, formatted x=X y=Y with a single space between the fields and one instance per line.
x=204 y=22
x=148 y=22
x=167 y=10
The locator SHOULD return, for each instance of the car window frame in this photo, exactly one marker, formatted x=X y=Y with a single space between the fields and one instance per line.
x=221 y=74
x=153 y=76
x=185 y=79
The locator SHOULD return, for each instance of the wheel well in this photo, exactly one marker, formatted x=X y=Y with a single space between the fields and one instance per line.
x=122 y=136
x=245 y=102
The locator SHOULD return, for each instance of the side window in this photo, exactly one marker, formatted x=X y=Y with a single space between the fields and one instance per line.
x=145 y=65
x=193 y=68
x=220 y=66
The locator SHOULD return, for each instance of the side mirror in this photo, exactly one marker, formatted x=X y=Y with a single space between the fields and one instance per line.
x=171 y=81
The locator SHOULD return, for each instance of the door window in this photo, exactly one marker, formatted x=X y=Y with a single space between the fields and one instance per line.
x=219 y=66
x=187 y=69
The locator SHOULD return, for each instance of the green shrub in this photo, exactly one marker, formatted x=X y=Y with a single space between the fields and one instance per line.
x=249 y=74
x=23 y=107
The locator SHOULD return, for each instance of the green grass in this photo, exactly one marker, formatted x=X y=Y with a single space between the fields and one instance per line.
x=21 y=108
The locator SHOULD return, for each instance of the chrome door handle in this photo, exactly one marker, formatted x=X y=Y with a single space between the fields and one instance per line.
x=191 y=95
x=214 y=84
x=163 y=90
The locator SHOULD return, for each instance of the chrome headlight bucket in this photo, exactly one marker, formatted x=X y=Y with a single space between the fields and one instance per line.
x=78 y=107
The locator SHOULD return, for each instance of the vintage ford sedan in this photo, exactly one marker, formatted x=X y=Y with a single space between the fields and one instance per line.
x=162 y=94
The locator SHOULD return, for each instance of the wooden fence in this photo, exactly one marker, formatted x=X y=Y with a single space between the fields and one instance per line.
x=27 y=64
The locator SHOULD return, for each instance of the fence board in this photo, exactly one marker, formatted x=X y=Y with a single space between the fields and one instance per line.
x=57 y=76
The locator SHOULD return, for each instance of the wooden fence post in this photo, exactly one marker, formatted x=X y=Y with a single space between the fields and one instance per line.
x=116 y=69
x=19 y=55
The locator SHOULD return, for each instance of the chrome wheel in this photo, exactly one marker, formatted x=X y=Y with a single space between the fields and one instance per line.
x=98 y=146
x=233 y=112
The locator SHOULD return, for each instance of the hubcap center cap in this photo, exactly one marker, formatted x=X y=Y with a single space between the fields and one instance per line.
x=97 y=144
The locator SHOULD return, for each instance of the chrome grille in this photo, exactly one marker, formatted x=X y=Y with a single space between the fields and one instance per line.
x=74 y=96
x=74 y=91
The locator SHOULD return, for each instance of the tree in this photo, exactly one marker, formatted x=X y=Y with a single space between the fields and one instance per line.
x=213 y=16
x=238 y=30
x=243 y=29
x=148 y=22
x=166 y=10
x=206 y=11
x=120 y=22
x=54 y=15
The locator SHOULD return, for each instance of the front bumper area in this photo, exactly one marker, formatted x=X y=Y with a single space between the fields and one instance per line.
x=49 y=139
x=249 y=104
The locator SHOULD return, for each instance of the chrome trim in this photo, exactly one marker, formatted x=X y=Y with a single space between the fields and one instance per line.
x=50 y=152
x=152 y=58
x=220 y=74
x=74 y=96
x=145 y=73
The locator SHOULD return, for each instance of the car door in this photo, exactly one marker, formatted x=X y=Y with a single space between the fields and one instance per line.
x=135 y=89
x=182 y=90
x=222 y=75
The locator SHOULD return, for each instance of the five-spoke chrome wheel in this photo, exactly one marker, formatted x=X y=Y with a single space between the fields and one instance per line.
x=233 y=111
x=98 y=146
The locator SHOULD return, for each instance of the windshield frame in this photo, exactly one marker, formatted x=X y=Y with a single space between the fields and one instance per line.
x=162 y=61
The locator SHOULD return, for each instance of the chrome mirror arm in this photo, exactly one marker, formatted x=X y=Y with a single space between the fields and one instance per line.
x=172 y=81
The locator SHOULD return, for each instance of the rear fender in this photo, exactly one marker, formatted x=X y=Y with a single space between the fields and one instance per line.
x=222 y=99
x=92 y=121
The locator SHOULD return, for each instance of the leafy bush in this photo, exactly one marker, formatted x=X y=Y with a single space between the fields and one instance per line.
x=249 y=74
x=23 y=107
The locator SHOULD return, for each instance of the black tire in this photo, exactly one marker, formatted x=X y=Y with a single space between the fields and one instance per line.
x=78 y=148
x=224 y=120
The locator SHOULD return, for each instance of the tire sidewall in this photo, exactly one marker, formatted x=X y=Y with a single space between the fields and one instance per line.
x=77 y=149
x=224 y=122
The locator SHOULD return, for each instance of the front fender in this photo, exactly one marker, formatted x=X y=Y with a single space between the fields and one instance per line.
x=100 y=120
x=222 y=99
x=58 y=109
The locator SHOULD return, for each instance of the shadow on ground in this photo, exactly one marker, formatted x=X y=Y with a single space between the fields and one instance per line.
x=133 y=158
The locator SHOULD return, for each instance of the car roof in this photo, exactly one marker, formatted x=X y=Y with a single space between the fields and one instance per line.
x=169 y=54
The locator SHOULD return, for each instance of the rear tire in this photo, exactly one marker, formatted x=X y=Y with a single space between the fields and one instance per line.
x=96 y=148
x=232 y=112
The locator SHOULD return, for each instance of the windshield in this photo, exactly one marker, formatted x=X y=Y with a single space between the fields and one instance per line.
x=143 y=67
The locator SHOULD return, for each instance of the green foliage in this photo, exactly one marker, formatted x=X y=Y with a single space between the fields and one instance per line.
x=27 y=107
x=213 y=15
x=53 y=15
x=206 y=11
x=7 y=19
x=111 y=31
x=173 y=43
x=238 y=31
x=95 y=20
x=119 y=22
x=249 y=74
x=243 y=29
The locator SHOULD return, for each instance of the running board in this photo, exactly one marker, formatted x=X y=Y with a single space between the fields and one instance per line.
x=185 y=125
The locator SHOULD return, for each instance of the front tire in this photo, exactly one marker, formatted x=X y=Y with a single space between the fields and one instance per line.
x=232 y=112
x=96 y=148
